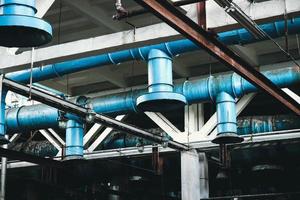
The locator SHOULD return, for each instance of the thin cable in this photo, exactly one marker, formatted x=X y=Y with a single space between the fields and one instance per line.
x=31 y=69
x=298 y=45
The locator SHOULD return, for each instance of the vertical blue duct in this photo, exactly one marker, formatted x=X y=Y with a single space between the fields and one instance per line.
x=227 y=122
x=19 y=27
x=3 y=139
x=74 y=140
x=160 y=90
x=173 y=48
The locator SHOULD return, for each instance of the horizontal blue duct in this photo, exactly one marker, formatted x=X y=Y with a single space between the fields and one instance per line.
x=202 y=90
x=239 y=36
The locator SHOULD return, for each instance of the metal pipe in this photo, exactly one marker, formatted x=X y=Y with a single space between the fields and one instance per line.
x=74 y=140
x=202 y=90
x=238 y=36
x=227 y=125
x=19 y=27
x=160 y=80
x=3 y=173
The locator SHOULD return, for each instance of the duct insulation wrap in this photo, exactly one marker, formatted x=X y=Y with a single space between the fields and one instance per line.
x=74 y=140
x=19 y=27
x=173 y=48
x=160 y=94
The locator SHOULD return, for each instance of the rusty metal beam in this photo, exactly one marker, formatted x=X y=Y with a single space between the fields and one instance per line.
x=172 y=16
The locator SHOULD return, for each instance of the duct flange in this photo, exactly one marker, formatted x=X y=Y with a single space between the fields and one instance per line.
x=160 y=94
x=19 y=27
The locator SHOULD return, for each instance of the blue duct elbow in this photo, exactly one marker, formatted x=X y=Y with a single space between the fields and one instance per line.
x=74 y=140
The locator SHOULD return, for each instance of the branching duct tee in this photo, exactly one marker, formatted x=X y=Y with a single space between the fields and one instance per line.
x=19 y=27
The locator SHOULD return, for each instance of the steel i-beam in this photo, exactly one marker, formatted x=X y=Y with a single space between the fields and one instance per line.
x=165 y=10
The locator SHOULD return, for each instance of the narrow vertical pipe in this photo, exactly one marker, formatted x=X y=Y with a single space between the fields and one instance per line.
x=3 y=173
x=74 y=140
x=3 y=93
x=227 y=122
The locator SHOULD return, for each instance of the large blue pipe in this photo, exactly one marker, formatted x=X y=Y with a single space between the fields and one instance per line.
x=239 y=36
x=74 y=140
x=202 y=90
x=198 y=91
x=33 y=117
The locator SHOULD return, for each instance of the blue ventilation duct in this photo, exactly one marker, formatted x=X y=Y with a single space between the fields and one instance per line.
x=239 y=36
x=160 y=94
x=33 y=117
x=227 y=125
x=74 y=140
x=19 y=27
x=3 y=139
x=202 y=90
x=194 y=91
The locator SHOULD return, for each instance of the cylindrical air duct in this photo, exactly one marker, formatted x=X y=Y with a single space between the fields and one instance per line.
x=160 y=94
x=227 y=122
x=74 y=140
x=19 y=27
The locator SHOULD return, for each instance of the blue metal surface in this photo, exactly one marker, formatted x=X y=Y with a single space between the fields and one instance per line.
x=2 y=115
x=202 y=90
x=74 y=140
x=19 y=27
x=160 y=94
x=227 y=125
x=240 y=36
x=194 y=91
x=31 y=118
x=226 y=114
